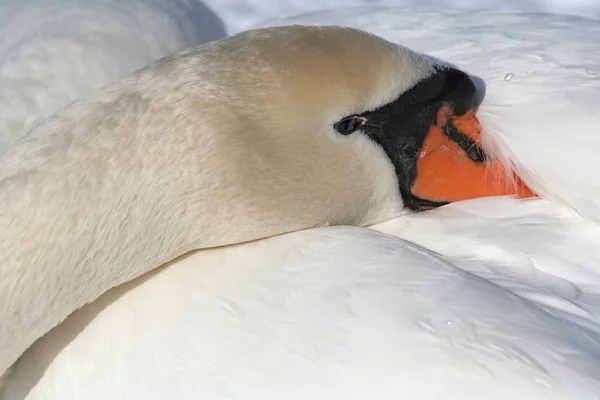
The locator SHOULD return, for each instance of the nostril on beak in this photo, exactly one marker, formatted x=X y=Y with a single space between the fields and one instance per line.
x=460 y=92
x=469 y=146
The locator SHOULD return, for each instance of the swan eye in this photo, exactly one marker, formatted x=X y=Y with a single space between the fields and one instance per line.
x=349 y=125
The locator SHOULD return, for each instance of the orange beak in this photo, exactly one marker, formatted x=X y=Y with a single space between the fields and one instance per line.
x=452 y=165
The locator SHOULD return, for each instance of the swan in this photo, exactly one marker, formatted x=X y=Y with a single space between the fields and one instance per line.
x=349 y=311
x=200 y=150
x=53 y=52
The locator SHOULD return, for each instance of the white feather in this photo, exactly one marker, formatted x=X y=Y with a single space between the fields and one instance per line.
x=325 y=313
x=53 y=52
x=500 y=301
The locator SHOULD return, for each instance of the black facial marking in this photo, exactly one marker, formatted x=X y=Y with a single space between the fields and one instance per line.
x=401 y=127
x=473 y=150
x=416 y=203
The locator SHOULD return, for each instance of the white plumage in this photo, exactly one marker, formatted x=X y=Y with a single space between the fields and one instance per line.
x=55 y=52
x=334 y=312
x=507 y=308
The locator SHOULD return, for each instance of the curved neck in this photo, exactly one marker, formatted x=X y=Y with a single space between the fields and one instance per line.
x=100 y=195
x=75 y=222
x=85 y=206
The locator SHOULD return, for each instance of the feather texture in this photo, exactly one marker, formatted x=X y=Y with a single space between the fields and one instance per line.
x=492 y=298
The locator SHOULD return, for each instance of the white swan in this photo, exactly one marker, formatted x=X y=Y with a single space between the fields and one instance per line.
x=339 y=311
x=201 y=150
x=53 y=52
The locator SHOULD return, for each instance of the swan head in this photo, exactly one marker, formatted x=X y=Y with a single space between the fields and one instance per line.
x=337 y=118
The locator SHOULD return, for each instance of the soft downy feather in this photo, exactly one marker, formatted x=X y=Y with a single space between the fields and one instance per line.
x=341 y=312
x=326 y=309
x=53 y=52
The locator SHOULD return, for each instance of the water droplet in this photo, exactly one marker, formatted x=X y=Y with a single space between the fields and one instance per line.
x=529 y=72
x=448 y=322
x=509 y=76
x=590 y=71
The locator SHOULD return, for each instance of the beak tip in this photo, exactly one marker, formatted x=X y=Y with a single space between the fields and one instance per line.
x=452 y=164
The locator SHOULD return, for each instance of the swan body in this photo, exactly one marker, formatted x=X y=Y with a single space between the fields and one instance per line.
x=498 y=299
x=342 y=311
x=53 y=52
